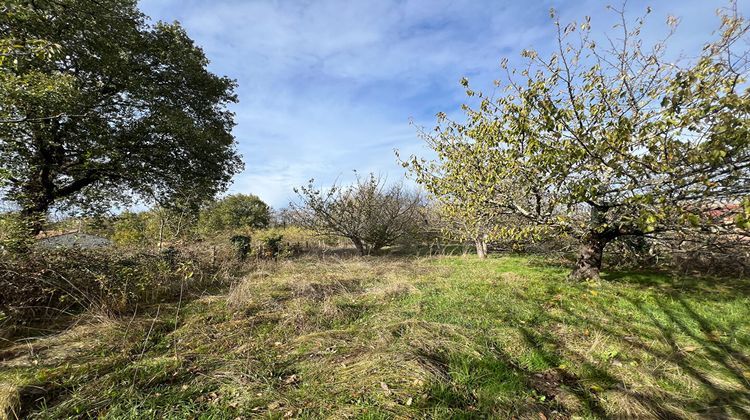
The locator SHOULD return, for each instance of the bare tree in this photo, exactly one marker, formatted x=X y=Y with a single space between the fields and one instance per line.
x=369 y=212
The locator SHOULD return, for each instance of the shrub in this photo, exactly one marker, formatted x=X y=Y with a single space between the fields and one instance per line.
x=272 y=245
x=232 y=213
x=41 y=283
x=371 y=214
x=241 y=244
x=14 y=234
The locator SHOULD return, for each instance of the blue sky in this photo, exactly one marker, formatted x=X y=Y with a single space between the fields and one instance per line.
x=326 y=87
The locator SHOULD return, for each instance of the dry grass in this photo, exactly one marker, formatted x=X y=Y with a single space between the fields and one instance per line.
x=10 y=401
x=403 y=338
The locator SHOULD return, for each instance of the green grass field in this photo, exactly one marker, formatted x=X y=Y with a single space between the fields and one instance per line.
x=451 y=337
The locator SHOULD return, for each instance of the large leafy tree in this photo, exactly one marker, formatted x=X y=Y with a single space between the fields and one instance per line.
x=608 y=139
x=98 y=106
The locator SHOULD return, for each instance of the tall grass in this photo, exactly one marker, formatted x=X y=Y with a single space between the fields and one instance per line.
x=387 y=337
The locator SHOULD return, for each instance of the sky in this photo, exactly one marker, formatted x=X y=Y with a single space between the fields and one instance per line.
x=328 y=87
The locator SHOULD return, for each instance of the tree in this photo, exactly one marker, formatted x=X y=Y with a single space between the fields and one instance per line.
x=235 y=212
x=603 y=141
x=369 y=213
x=99 y=106
x=153 y=227
x=131 y=229
x=461 y=183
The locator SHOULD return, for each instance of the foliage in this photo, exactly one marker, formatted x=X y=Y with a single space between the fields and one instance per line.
x=241 y=244
x=100 y=106
x=482 y=226
x=58 y=281
x=152 y=228
x=603 y=140
x=272 y=244
x=234 y=212
x=14 y=234
x=369 y=213
x=130 y=229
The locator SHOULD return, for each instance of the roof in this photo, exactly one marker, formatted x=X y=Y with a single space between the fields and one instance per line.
x=53 y=239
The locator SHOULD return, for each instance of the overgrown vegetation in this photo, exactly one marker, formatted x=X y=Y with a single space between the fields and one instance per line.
x=452 y=337
x=41 y=285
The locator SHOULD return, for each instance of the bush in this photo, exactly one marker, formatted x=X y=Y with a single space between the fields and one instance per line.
x=241 y=244
x=232 y=213
x=271 y=245
x=370 y=213
x=42 y=283
x=14 y=234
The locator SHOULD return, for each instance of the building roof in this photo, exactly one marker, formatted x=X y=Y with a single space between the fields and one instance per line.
x=58 y=239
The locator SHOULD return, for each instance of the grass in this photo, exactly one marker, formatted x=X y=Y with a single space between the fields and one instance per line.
x=451 y=337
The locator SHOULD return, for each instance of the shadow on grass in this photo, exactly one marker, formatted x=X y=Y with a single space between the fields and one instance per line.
x=673 y=284
x=671 y=358
x=699 y=355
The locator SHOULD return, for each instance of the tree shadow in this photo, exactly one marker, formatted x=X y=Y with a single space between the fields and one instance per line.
x=541 y=344
x=728 y=401
x=719 y=288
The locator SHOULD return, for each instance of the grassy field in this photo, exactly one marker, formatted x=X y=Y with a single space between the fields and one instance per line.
x=450 y=337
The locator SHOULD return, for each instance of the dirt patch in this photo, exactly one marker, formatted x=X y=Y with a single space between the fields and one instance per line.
x=550 y=382
x=560 y=386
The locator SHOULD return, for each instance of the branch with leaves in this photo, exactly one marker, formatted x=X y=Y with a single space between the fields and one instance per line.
x=604 y=141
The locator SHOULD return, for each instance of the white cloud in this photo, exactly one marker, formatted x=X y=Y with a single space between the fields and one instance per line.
x=329 y=86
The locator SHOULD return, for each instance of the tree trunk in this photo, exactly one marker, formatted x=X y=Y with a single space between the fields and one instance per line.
x=360 y=246
x=589 y=262
x=481 y=245
x=161 y=231
x=35 y=215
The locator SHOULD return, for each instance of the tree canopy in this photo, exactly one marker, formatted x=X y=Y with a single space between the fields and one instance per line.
x=604 y=139
x=99 y=106
x=235 y=212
